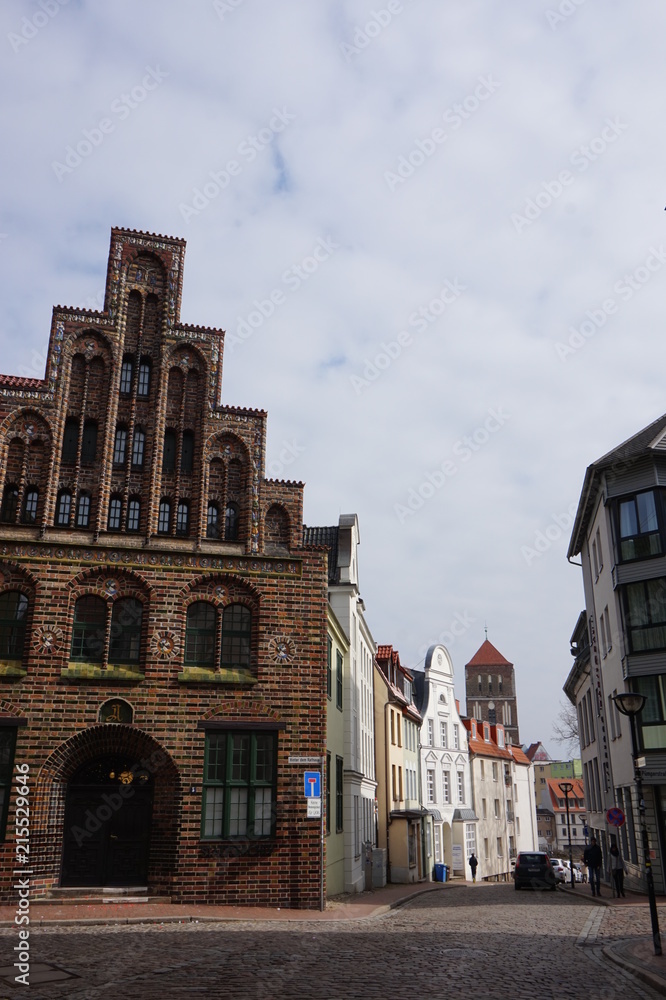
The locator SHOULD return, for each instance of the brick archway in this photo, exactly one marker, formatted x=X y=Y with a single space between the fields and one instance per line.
x=51 y=792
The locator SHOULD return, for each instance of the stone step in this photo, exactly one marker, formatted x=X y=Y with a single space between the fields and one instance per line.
x=99 y=894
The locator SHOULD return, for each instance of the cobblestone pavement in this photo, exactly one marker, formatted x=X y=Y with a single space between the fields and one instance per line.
x=486 y=940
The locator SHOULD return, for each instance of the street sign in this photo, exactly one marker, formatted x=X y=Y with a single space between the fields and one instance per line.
x=314 y=808
x=312 y=784
x=615 y=816
x=303 y=760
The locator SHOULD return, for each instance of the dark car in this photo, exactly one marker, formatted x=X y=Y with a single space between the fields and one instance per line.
x=534 y=870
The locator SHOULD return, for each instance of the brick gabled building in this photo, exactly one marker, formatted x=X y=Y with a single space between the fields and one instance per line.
x=490 y=690
x=162 y=625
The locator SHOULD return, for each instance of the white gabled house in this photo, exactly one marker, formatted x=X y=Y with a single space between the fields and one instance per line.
x=446 y=785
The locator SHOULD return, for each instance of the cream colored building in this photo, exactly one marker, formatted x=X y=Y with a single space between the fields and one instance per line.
x=337 y=667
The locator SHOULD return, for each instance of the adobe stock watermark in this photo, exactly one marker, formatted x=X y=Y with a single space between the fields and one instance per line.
x=460 y=624
x=544 y=540
x=248 y=150
x=464 y=449
x=364 y=34
x=121 y=108
x=224 y=7
x=31 y=26
x=563 y=12
x=292 y=278
x=581 y=159
x=288 y=454
x=624 y=289
x=426 y=147
x=419 y=320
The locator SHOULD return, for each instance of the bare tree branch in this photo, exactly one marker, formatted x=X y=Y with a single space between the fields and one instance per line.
x=565 y=727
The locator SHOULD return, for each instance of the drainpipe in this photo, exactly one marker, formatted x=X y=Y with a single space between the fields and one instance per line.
x=389 y=786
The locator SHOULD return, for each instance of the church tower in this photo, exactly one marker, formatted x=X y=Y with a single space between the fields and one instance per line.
x=490 y=690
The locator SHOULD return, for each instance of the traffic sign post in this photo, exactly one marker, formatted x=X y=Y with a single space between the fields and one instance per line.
x=615 y=817
x=313 y=791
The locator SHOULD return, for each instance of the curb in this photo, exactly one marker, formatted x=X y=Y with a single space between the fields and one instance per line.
x=657 y=983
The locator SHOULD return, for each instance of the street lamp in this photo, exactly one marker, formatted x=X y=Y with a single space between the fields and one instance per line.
x=631 y=704
x=566 y=787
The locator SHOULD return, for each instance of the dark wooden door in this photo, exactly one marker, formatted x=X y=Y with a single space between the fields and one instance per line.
x=107 y=826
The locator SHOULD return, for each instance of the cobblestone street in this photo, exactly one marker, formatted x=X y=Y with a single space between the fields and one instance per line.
x=486 y=940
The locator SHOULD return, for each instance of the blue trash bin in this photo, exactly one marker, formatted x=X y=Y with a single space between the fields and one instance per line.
x=445 y=873
x=440 y=873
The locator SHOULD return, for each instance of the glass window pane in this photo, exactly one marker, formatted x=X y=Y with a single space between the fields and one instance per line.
x=133 y=515
x=119 y=446
x=262 y=812
x=647 y=512
x=217 y=757
x=115 y=510
x=83 y=511
x=126 y=619
x=138 y=446
x=126 y=376
x=213 y=812
x=628 y=522
x=240 y=757
x=144 y=378
x=264 y=759
x=30 y=508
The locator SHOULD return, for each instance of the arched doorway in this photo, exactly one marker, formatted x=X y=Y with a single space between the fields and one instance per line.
x=108 y=819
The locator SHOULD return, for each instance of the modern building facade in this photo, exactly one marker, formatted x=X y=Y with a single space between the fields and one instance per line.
x=360 y=784
x=619 y=644
x=163 y=628
x=446 y=785
x=403 y=823
x=490 y=691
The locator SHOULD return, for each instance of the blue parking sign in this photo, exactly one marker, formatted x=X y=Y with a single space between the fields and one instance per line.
x=312 y=784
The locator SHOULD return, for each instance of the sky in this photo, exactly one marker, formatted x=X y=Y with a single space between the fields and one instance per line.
x=434 y=234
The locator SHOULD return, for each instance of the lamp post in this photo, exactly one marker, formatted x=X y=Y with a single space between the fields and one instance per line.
x=566 y=787
x=631 y=704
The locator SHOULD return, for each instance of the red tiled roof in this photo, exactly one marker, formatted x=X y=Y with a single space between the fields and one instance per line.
x=488 y=656
x=556 y=793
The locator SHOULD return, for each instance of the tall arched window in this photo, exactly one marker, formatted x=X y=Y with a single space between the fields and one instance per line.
x=89 y=443
x=13 y=618
x=9 y=503
x=134 y=515
x=115 y=511
x=183 y=518
x=212 y=519
x=120 y=446
x=30 y=505
x=63 y=509
x=126 y=375
x=200 y=635
x=164 y=518
x=138 y=446
x=169 y=453
x=236 y=636
x=231 y=523
x=70 y=441
x=89 y=631
x=125 y=641
x=83 y=511
x=144 y=378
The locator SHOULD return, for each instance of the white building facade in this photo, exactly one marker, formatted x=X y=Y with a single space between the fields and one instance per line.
x=446 y=786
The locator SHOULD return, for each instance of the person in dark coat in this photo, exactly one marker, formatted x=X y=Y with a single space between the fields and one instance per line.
x=473 y=864
x=594 y=859
x=617 y=869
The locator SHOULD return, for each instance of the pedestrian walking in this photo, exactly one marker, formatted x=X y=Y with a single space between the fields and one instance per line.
x=593 y=858
x=617 y=869
x=473 y=864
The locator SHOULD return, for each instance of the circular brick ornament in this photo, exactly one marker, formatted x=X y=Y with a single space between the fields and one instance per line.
x=282 y=649
x=164 y=644
x=48 y=639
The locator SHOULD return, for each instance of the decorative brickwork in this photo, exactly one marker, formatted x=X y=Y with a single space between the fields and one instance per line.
x=154 y=575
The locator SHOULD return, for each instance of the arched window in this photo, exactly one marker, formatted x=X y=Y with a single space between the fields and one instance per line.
x=138 y=447
x=144 y=378
x=30 y=505
x=9 y=503
x=120 y=446
x=70 y=441
x=89 y=444
x=126 y=375
x=83 y=511
x=212 y=519
x=63 y=509
x=164 y=518
x=134 y=515
x=231 y=523
x=169 y=453
x=187 y=453
x=89 y=631
x=183 y=518
x=13 y=617
x=125 y=641
x=200 y=634
x=236 y=636
x=115 y=511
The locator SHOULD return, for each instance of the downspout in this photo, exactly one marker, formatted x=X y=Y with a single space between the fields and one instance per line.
x=389 y=787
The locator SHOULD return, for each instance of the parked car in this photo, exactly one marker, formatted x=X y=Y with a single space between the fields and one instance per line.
x=562 y=873
x=578 y=874
x=534 y=871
